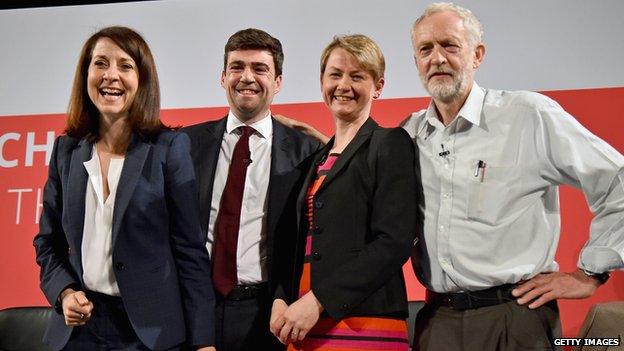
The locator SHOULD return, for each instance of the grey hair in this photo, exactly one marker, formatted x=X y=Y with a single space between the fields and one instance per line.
x=470 y=21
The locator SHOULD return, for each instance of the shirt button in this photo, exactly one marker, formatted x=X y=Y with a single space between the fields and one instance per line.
x=441 y=228
x=119 y=266
x=443 y=261
x=316 y=256
x=446 y=195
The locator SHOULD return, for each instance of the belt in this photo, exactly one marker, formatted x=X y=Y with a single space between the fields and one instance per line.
x=245 y=292
x=471 y=299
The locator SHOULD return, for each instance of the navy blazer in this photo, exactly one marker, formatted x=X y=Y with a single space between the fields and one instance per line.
x=159 y=258
x=290 y=151
x=365 y=220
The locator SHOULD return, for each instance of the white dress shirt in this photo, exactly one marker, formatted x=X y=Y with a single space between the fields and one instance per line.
x=499 y=223
x=97 y=249
x=251 y=251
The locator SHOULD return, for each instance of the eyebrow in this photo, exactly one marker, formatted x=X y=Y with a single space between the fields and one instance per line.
x=123 y=59
x=445 y=40
x=253 y=64
x=359 y=70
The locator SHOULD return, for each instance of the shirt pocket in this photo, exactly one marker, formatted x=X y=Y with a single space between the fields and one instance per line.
x=489 y=192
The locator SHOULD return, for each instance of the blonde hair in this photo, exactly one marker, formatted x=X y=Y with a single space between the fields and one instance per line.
x=470 y=21
x=364 y=49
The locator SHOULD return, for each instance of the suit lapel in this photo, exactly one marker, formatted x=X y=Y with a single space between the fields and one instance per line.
x=281 y=163
x=280 y=160
x=77 y=186
x=208 y=146
x=360 y=138
x=130 y=173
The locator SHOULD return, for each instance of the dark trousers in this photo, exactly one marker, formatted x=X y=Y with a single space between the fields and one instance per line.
x=243 y=324
x=108 y=329
x=506 y=327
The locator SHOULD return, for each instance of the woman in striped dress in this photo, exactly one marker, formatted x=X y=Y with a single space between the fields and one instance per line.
x=358 y=211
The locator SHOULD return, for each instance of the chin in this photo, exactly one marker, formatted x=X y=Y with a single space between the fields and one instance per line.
x=346 y=116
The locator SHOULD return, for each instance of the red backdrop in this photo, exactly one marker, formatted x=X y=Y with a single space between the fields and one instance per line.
x=23 y=173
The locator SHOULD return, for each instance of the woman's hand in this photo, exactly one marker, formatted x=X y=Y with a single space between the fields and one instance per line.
x=299 y=318
x=277 y=316
x=76 y=307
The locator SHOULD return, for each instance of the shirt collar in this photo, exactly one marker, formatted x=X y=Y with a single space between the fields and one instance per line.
x=469 y=112
x=263 y=127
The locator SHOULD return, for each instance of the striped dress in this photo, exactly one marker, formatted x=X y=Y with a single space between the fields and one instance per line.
x=350 y=333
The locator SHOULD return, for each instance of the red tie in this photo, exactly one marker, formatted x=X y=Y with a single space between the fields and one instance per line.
x=228 y=219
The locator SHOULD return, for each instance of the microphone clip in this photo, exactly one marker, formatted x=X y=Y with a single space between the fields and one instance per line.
x=444 y=152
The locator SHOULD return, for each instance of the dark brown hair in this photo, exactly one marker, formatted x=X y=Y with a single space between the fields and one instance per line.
x=255 y=39
x=144 y=112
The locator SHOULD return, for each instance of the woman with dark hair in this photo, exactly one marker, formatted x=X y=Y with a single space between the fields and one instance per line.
x=357 y=219
x=120 y=247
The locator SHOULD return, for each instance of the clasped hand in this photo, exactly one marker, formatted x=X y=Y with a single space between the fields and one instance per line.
x=292 y=323
x=76 y=307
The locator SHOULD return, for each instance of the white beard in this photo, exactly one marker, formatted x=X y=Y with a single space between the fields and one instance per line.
x=446 y=91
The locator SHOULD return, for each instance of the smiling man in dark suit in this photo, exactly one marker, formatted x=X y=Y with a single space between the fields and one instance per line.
x=249 y=169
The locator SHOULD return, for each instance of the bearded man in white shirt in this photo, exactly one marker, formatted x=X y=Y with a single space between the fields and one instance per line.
x=491 y=162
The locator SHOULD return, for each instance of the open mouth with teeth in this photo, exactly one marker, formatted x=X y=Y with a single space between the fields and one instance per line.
x=343 y=98
x=111 y=92
x=247 y=91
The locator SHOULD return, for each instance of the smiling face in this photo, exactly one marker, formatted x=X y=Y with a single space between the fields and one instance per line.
x=250 y=83
x=445 y=58
x=112 y=79
x=348 y=89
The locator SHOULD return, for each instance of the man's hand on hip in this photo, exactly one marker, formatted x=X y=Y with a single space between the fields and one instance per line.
x=545 y=287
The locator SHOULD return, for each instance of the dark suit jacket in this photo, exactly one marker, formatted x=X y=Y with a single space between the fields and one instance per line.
x=365 y=218
x=290 y=151
x=159 y=258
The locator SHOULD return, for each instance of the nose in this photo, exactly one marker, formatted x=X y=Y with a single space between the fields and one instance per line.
x=247 y=75
x=111 y=73
x=343 y=83
x=437 y=57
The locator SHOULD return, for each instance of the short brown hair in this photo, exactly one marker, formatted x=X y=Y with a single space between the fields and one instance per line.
x=255 y=39
x=364 y=49
x=144 y=112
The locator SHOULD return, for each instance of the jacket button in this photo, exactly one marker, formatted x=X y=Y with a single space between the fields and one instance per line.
x=318 y=204
x=316 y=256
x=119 y=266
x=345 y=306
x=317 y=229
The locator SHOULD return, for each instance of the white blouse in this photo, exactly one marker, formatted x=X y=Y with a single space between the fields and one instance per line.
x=97 y=249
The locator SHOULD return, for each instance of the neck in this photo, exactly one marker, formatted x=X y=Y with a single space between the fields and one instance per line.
x=250 y=119
x=345 y=131
x=448 y=110
x=114 y=135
